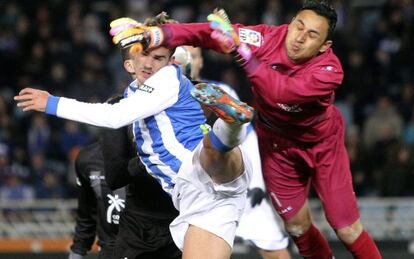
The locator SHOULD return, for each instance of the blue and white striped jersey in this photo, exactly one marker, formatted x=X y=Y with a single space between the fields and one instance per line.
x=164 y=140
x=167 y=121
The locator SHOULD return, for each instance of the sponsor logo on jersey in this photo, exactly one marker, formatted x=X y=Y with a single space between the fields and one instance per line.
x=133 y=38
x=290 y=108
x=116 y=204
x=250 y=37
x=96 y=175
x=280 y=208
x=146 y=88
x=96 y=178
x=329 y=68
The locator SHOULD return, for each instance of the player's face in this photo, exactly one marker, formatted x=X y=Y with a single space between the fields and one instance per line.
x=146 y=63
x=306 y=36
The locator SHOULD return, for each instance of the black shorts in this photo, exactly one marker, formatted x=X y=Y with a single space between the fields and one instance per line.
x=142 y=237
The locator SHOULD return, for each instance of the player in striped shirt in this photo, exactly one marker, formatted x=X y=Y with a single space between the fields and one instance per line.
x=206 y=175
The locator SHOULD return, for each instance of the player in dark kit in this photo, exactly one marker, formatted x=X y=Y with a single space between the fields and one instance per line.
x=294 y=73
x=99 y=207
x=144 y=225
x=112 y=180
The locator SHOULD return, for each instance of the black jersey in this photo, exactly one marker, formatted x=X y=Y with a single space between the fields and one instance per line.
x=99 y=207
x=144 y=225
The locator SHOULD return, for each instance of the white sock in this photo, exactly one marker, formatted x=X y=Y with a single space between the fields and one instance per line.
x=229 y=134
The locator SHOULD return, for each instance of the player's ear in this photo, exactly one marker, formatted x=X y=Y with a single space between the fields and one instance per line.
x=129 y=67
x=325 y=46
x=172 y=60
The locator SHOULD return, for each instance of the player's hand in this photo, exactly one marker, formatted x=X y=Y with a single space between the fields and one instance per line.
x=32 y=99
x=223 y=31
x=127 y=32
x=121 y=24
x=224 y=34
x=256 y=196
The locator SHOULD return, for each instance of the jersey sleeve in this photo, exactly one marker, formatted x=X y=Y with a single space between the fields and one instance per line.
x=157 y=93
x=86 y=214
x=198 y=35
x=194 y=34
x=116 y=154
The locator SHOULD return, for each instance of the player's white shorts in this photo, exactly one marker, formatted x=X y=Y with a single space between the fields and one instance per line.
x=216 y=208
x=259 y=224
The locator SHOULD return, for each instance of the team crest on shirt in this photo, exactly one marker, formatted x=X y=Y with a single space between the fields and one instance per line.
x=250 y=37
x=145 y=88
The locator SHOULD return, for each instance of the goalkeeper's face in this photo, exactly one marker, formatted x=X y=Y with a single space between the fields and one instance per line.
x=146 y=63
x=306 y=37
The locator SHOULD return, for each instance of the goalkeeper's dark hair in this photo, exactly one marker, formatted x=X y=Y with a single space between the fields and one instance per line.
x=324 y=9
x=158 y=20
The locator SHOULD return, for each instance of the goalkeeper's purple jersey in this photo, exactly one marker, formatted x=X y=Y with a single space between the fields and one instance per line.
x=295 y=100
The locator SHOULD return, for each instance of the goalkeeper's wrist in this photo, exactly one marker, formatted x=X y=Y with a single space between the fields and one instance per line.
x=156 y=36
x=242 y=54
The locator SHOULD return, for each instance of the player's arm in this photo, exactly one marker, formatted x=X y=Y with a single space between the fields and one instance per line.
x=159 y=92
x=116 y=153
x=242 y=42
x=86 y=218
x=121 y=163
x=218 y=34
x=127 y=32
x=194 y=34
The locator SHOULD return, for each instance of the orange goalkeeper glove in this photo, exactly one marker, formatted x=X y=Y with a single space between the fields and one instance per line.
x=127 y=32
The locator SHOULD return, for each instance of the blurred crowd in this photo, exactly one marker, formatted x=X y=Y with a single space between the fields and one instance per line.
x=63 y=46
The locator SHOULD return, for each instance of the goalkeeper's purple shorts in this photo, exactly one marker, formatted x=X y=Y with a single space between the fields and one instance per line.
x=290 y=168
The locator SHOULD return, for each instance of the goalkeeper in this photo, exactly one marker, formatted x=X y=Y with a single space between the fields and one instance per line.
x=294 y=74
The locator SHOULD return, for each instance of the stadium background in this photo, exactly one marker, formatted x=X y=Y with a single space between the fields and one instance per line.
x=64 y=47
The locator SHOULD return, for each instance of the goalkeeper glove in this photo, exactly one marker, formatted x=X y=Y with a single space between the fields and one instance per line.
x=224 y=33
x=127 y=32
